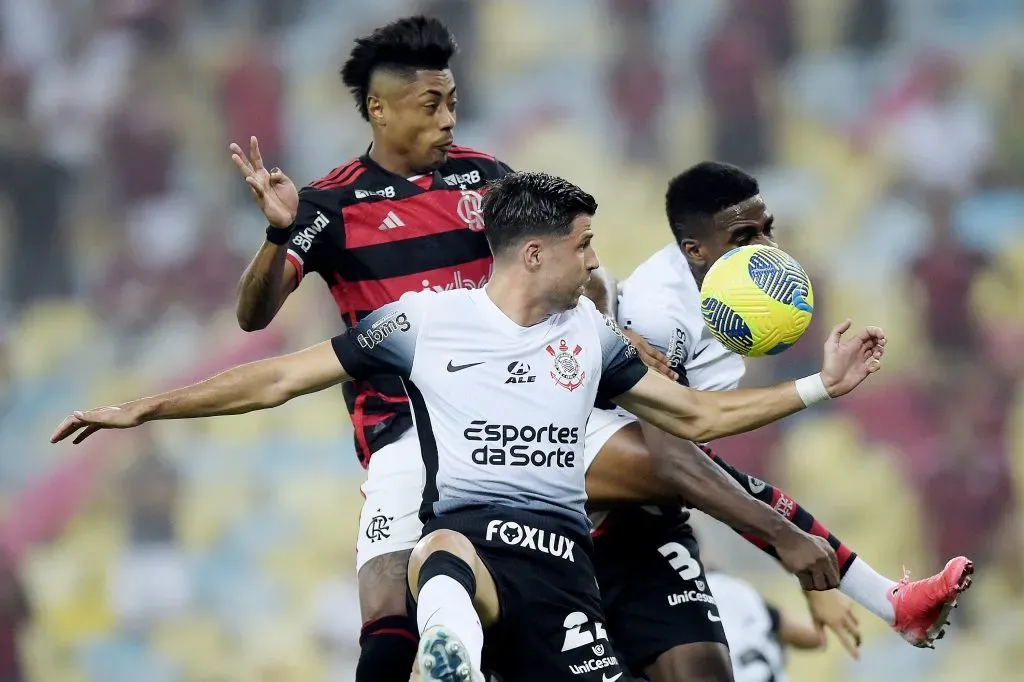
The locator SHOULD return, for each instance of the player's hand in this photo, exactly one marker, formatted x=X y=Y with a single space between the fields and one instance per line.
x=274 y=192
x=849 y=362
x=651 y=356
x=89 y=422
x=832 y=610
x=810 y=558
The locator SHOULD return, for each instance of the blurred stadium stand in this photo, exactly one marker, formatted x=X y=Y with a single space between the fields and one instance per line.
x=890 y=145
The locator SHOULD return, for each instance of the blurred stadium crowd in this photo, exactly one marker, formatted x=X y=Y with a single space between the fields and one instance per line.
x=889 y=140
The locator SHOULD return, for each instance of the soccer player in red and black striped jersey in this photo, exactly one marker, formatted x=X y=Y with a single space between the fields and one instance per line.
x=405 y=216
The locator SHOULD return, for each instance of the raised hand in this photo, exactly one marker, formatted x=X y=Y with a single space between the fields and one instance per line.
x=112 y=417
x=274 y=192
x=849 y=362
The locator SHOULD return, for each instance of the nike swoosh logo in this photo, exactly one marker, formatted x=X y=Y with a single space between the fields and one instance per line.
x=698 y=351
x=459 y=368
x=713 y=618
x=605 y=678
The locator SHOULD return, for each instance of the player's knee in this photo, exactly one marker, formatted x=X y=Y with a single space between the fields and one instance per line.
x=453 y=544
x=699 y=662
x=382 y=583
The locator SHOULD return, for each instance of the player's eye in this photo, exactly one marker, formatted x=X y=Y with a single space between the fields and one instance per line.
x=431 y=107
x=453 y=104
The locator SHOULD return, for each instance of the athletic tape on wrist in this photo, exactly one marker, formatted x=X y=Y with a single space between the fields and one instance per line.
x=812 y=390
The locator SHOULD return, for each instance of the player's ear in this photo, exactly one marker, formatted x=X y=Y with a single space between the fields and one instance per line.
x=694 y=252
x=375 y=109
x=532 y=254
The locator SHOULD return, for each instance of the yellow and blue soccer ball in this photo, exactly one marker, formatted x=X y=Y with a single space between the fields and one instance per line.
x=757 y=300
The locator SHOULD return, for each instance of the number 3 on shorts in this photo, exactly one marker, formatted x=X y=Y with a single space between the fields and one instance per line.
x=681 y=561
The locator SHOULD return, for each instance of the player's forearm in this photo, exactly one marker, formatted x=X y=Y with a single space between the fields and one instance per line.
x=261 y=289
x=255 y=386
x=717 y=414
x=602 y=289
x=704 y=485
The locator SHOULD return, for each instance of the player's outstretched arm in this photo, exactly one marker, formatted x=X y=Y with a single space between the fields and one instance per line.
x=254 y=386
x=706 y=415
x=270 y=277
x=797 y=633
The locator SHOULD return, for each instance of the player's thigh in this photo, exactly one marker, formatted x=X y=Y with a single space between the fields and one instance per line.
x=656 y=592
x=389 y=526
x=618 y=464
x=697 y=662
x=550 y=626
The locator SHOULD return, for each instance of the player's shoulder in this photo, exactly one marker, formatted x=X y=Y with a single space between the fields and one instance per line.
x=352 y=182
x=469 y=168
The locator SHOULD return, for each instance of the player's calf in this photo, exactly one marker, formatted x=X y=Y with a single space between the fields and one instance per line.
x=387 y=641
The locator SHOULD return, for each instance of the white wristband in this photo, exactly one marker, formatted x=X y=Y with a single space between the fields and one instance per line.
x=812 y=390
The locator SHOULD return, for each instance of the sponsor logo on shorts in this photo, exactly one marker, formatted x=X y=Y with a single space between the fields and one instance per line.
x=699 y=584
x=528 y=537
x=379 y=527
x=523 y=445
x=689 y=596
x=579 y=633
x=382 y=329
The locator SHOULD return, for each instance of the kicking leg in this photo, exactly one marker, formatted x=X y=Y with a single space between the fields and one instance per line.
x=455 y=599
x=917 y=610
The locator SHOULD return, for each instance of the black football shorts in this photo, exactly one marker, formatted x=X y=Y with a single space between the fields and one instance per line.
x=654 y=591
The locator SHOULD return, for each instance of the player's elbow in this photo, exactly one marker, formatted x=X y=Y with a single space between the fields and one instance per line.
x=249 y=322
x=699 y=426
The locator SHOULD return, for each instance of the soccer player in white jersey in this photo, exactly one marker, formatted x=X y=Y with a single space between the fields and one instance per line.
x=758 y=632
x=643 y=558
x=508 y=543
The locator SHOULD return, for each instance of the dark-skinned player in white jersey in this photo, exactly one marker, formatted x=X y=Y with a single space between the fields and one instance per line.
x=508 y=543
x=646 y=561
x=384 y=224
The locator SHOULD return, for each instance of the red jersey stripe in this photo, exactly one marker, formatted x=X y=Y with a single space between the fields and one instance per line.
x=394 y=220
x=336 y=173
x=458 y=151
x=345 y=180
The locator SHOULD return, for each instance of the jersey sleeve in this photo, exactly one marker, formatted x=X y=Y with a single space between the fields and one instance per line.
x=384 y=342
x=661 y=329
x=621 y=366
x=310 y=240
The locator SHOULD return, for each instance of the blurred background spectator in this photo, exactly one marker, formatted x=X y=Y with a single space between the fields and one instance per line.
x=890 y=146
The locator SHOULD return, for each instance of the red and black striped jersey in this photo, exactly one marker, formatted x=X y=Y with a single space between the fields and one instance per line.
x=372 y=236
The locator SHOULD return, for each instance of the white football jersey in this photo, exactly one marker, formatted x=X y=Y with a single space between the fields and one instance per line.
x=661 y=302
x=751 y=626
x=501 y=410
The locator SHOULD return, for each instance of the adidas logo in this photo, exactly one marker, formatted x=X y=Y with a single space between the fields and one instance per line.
x=391 y=222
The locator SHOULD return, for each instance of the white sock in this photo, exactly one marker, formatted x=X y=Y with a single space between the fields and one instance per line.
x=443 y=601
x=865 y=586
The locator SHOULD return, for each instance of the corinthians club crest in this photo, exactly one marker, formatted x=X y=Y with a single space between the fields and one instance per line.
x=567 y=372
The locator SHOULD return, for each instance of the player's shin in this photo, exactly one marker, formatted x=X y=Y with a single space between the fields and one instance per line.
x=446 y=585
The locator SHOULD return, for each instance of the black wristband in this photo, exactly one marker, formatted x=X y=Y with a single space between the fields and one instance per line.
x=279 y=236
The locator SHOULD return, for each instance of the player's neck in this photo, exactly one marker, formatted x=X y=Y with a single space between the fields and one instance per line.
x=392 y=161
x=517 y=300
